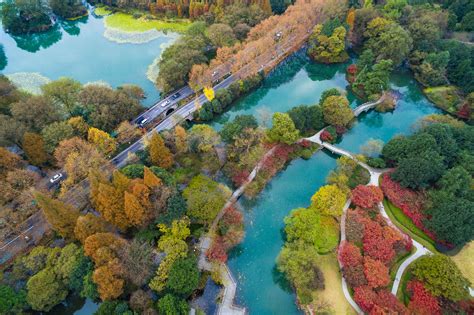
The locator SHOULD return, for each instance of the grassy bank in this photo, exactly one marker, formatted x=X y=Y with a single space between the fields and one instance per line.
x=465 y=261
x=127 y=23
x=331 y=300
x=102 y=11
x=444 y=97
x=405 y=224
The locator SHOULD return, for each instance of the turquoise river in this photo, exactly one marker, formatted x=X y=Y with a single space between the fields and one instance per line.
x=79 y=50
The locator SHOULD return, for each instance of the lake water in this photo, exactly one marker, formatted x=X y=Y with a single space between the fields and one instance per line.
x=78 y=49
x=261 y=288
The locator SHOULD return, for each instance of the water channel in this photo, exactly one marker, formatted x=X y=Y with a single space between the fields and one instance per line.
x=261 y=288
x=80 y=51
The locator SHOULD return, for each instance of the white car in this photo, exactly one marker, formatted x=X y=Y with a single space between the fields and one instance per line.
x=165 y=103
x=56 y=178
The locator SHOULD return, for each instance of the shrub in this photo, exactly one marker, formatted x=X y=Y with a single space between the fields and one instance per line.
x=365 y=297
x=409 y=201
x=366 y=196
x=376 y=273
x=376 y=162
x=422 y=301
x=349 y=255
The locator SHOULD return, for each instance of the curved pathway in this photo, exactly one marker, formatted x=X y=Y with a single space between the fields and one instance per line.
x=374 y=180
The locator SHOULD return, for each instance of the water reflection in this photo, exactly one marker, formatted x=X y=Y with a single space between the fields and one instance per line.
x=34 y=42
x=3 y=58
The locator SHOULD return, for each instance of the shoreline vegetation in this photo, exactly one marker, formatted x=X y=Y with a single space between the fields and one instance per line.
x=127 y=22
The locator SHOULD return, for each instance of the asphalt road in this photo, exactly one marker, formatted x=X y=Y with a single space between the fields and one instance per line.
x=169 y=122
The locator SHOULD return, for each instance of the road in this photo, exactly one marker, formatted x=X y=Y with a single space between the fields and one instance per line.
x=182 y=112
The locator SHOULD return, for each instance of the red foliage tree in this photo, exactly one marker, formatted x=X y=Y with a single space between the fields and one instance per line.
x=366 y=196
x=389 y=303
x=464 y=111
x=376 y=273
x=422 y=302
x=340 y=130
x=352 y=69
x=232 y=216
x=365 y=297
x=305 y=143
x=355 y=276
x=326 y=136
x=282 y=152
x=240 y=177
x=217 y=251
x=349 y=254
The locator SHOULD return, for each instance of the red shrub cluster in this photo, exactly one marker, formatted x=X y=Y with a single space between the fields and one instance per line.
x=376 y=273
x=240 y=177
x=365 y=297
x=366 y=196
x=349 y=254
x=409 y=201
x=352 y=69
x=305 y=143
x=376 y=245
x=231 y=228
x=217 y=251
x=464 y=111
x=325 y=136
x=381 y=302
x=422 y=301
x=355 y=226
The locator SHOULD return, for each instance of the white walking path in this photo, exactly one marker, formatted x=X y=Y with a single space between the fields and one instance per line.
x=374 y=180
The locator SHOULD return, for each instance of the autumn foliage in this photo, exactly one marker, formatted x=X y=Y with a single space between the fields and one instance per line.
x=349 y=254
x=408 y=200
x=217 y=251
x=366 y=196
x=422 y=301
x=376 y=273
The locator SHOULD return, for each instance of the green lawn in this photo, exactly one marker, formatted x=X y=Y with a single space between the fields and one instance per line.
x=465 y=261
x=396 y=265
x=332 y=297
x=126 y=22
x=102 y=11
x=405 y=224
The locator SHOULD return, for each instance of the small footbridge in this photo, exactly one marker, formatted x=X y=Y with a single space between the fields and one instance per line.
x=368 y=106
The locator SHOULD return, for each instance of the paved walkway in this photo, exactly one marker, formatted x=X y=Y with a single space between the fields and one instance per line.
x=374 y=180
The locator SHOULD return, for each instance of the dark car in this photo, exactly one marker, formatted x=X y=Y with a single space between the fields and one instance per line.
x=141 y=121
x=175 y=96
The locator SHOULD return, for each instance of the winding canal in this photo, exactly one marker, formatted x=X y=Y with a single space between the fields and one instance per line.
x=261 y=288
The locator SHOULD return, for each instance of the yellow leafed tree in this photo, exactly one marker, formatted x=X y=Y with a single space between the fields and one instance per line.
x=150 y=179
x=209 y=93
x=104 y=142
x=159 y=154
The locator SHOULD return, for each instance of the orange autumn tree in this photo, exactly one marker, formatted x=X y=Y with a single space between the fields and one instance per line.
x=87 y=225
x=107 y=277
x=180 y=138
x=109 y=202
x=136 y=213
x=159 y=154
x=103 y=248
x=150 y=179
